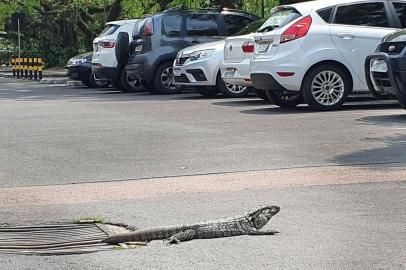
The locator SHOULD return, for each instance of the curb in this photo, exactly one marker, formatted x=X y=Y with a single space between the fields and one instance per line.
x=74 y=83
x=54 y=80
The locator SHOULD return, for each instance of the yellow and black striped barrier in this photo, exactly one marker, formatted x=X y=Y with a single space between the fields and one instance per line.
x=27 y=67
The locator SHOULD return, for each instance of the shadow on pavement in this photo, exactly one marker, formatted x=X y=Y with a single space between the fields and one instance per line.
x=386 y=120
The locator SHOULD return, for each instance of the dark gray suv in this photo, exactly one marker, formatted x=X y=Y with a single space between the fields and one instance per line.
x=163 y=35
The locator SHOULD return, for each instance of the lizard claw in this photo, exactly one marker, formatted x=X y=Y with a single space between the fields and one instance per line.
x=172 y=240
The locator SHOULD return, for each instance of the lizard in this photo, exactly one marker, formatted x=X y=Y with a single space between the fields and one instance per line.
x=249 y=223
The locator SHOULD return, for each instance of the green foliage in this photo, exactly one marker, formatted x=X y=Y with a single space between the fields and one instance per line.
x=60 y=29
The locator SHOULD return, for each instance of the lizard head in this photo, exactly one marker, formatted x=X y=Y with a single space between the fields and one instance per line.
x=260 y=216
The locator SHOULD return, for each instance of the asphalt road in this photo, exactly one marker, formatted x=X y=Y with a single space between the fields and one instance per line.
x=339 y=177
x=57 y=135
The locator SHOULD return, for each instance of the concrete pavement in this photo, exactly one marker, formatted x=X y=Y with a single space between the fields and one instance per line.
x=339 y=177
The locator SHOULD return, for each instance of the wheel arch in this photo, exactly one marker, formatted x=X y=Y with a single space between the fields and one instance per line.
x=333 y=63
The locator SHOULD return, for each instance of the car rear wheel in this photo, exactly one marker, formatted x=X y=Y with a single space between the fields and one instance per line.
x=284 y=99
x=208 y=92
x=92 y=82
x=326 y=88
x=127 y=84
x=261 y=94
x=231 y=90
x=164 y=81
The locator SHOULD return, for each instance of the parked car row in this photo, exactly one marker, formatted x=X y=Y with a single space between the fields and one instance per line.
x=314 y=52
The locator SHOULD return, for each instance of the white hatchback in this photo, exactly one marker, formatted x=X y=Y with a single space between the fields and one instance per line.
x=104 y=61
x=316 y=50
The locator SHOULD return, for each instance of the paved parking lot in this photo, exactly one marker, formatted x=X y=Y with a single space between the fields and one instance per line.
x=339 y=177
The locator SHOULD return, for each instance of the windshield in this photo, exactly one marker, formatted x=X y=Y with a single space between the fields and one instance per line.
x=109 y=30
x=251 y=28
x=279 y=17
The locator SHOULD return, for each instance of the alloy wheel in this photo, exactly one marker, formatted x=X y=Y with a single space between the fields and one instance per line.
x=328 y=88
x=236 y=89
x=167 y=78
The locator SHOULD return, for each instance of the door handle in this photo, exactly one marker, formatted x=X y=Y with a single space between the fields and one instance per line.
x=345 y=35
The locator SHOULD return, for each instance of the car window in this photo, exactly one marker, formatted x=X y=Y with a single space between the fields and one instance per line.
x=400 y=8
x=235 y=23
x=325 y=14
x=363 y=14
x=279 y=18
x=201 y=25
x=171 y=25
x=109 y=30
x=252 y=28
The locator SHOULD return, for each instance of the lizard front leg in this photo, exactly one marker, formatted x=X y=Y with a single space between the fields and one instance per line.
x=182 y=237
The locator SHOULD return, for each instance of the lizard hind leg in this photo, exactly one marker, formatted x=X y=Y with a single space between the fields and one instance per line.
x=181 y=237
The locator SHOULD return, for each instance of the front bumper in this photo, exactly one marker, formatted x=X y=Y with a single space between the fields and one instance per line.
x=393 y=81
x=80 y=72
x=197 y=73
x=241 y=74
x=111 y=73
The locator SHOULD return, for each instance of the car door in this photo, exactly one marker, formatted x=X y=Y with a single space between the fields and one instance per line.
x=357 y=30
x=202 y=28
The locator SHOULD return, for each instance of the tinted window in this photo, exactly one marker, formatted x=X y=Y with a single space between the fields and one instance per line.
x=252 y=28
x=325 y=14
x=279 y=18
x=235 y=23
x=171 y=25
x=401 y=12
x=201 y=25
x=365 y=14
x=137 y=28
x=109 y=30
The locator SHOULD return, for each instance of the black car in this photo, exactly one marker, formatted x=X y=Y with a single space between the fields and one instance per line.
x=386 y=69
x=163 y=35
x=80 y=68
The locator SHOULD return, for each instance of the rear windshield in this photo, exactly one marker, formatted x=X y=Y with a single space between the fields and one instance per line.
x=252 y=28
x=109 y=30
x=279 y=18
x=137 y=28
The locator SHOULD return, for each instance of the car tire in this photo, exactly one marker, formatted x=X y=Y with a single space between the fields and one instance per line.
x=149 y=86
x=231 y=90
x=121 y=49
x=93 y=83
x=283 y=99
x=261 y=94
x=326 y=87
x=163 y=80
x=127 y=85
x=208 y=92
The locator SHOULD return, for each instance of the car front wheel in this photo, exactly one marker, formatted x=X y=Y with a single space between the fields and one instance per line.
x=284 y=99
x=326 y=88
x=231 y=90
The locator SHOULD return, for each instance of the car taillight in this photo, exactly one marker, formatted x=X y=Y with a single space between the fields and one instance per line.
x=148 y=29
x=297 y=30
x=107 y=43
x=248 y=47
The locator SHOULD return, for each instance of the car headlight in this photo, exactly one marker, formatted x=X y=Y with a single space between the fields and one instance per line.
x=76 y=62
x=201 y=54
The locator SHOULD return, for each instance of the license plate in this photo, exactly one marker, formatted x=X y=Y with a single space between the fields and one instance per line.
x=263 y=46
x=176 y=72
x=229 y=73
x=379 y=66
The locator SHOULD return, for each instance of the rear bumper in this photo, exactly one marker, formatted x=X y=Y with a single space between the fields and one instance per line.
x=241 y=74
x=265 y=81
x=111 y=73
x=392 y=81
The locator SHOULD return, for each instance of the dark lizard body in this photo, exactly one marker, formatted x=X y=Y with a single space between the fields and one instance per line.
x=247 y=224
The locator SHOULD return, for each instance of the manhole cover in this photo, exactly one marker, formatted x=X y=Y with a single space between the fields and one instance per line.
x=56 y=239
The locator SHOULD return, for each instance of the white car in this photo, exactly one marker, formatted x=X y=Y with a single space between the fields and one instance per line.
x=316 y=50
x=238 y=52
x=104 y=62
x=199 y=66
